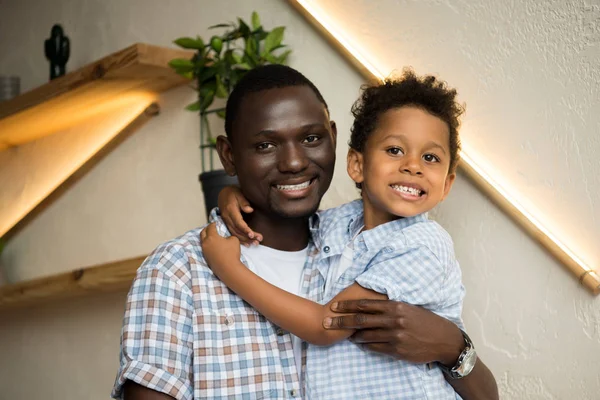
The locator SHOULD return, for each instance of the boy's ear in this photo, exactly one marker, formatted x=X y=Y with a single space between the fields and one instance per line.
x=448 y=184
x=226 y=155
x=354 y=165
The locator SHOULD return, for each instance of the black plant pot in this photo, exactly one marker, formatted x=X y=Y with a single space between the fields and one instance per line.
x=212 y=183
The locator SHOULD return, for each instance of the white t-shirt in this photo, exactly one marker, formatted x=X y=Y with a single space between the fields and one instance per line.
x=284 y=270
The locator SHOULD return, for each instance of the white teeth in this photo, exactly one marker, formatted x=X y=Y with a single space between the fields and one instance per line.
x=406 y=189
x=300 y=186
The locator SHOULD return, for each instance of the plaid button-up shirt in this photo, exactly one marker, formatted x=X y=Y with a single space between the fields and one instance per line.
x=411 y=260
x=187 y=335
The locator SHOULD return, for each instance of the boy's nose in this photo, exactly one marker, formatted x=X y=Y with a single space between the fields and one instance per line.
x=412 y=165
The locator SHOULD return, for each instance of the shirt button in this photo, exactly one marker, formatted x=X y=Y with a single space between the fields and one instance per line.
x=326 y=249
x=293 y=392
x=229 y=320
x=280 y=332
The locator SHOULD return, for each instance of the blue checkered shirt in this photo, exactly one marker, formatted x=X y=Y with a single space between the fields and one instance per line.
x=410 y=260
x=187 y=335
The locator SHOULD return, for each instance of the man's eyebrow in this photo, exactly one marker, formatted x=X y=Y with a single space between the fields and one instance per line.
x=301 y=128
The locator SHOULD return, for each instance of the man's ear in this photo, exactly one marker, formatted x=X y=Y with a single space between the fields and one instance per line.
x=448 y=184
x=354 y=165
x=333 y=132
x=226 y=155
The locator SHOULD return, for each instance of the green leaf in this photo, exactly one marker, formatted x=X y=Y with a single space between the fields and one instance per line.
x=282 y=58
x=220 y=26
x=217 y=44
x=212 y=141
x=251 y=46
x=181 y=63
x=250 y=59
x=221 y=90
x=255 y=20
x=221 y=114
x=207 y=100
x=195 y=106
x=243 y=66
x=185 y=74
x=190 y=43
x=206 y=74
x=274 y=38
x=243 y=28
x=236 y=58
x=270 y=58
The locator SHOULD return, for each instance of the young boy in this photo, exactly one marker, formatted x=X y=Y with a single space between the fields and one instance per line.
x=403 y=154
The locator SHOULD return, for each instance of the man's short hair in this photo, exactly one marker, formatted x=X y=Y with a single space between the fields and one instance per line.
x=272 y=76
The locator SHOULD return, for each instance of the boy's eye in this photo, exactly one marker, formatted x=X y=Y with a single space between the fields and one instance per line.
x=264 y=146
x=431 y=158
x=312 y=138
x=395 y=151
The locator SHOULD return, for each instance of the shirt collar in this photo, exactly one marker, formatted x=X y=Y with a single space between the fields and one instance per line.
x=373 y=238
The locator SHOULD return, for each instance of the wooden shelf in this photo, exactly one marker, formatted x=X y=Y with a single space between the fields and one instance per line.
x=104 y=278
x=94 y=108
x=101 y=86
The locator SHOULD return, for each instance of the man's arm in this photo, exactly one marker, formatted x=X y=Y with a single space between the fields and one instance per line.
x=158 y=321
x=133 y=391
x=413 y=334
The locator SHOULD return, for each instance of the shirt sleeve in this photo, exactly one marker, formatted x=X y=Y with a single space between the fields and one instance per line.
x=417 y=276
x=157 y=333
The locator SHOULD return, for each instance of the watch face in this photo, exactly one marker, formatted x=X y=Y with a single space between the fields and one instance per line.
x=468 y=363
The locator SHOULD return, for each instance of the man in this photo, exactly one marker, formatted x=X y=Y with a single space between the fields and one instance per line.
x=187 y=336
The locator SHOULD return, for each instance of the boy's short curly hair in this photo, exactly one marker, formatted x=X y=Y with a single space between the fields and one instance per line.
x=425 y=92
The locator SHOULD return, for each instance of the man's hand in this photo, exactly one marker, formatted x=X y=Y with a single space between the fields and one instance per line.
x=219 y=251
x=400 y=330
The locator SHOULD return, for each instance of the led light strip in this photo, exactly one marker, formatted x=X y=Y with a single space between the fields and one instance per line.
x=586 y=275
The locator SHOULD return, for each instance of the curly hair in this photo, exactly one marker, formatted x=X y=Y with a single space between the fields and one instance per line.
x=425 y=92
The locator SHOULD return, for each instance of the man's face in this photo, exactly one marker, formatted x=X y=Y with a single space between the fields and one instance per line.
x=283 y=151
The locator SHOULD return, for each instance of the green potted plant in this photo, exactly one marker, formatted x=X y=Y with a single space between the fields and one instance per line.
x=215 y=68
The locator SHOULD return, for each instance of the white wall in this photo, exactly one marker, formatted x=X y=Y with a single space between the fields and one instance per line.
x=529 y=73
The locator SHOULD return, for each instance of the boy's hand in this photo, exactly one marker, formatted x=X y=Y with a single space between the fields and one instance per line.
x=219 y=252
x=231 y=205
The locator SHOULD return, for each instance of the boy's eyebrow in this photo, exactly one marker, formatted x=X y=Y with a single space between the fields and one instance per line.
x=402 y=137
x=436 y=145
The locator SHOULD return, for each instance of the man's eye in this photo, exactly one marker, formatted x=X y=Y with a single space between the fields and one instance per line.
x=264 y=146
x=431 y=158
x=312 y=138
x=395 y=151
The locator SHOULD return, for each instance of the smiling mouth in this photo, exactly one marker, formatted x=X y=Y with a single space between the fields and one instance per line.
x=296 y=187
x=408 y=190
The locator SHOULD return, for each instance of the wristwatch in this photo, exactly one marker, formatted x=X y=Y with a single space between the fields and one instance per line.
x=465 y=363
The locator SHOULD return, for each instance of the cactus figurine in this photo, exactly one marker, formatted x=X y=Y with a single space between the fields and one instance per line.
x=57 y=49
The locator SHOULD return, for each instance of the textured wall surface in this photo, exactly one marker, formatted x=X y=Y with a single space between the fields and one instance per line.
x=530 y=74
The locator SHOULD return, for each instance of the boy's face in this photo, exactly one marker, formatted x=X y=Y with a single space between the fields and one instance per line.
x=404 y=167
x=283 y=151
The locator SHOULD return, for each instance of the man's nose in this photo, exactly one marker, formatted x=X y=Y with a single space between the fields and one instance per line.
x=292 y=158
x=412 y=164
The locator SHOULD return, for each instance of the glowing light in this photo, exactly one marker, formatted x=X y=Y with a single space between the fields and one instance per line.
x=340 y=38
x=494 y=189
x=28 y=176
